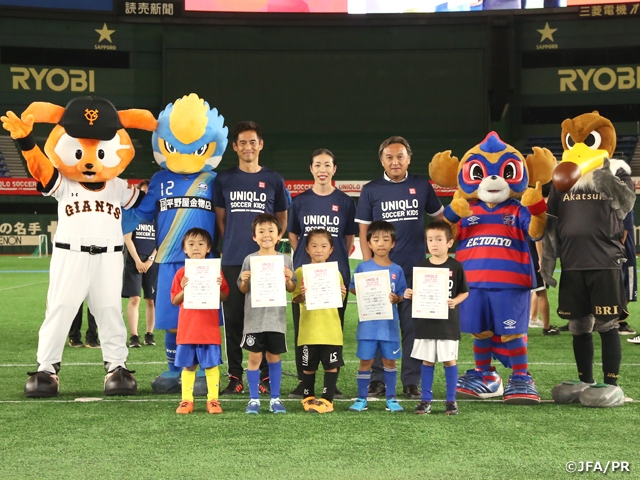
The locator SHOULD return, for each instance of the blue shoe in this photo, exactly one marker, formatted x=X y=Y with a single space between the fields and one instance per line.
x=477 y=384
x=393 y=405
x=253 y=408
x=359 y=405
x=521 y=390
x=276 y=406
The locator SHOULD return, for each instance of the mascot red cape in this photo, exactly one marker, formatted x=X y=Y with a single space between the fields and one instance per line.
x=495 y=212
x=591 y=195
x=85 y=152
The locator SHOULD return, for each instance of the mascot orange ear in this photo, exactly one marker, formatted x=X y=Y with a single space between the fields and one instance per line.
x=136 y=118
x=44 y=112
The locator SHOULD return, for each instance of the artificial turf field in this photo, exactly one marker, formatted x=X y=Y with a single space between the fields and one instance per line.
x=142 y=437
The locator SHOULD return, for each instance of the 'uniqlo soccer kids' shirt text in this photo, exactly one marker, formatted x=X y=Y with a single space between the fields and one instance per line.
x=244 y=196
x=403 y=204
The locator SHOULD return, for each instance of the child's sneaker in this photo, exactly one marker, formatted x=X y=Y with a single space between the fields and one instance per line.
x=264 y=387
x=185 y=407
x=134 y=341
x=451 y=408
x=308 y=402
x=276 y=406
x=322 y=405
x=393 y=405
x=359 y=405
x=422 y=408
x=76 y=343
x=213 y=406
x=253 y=408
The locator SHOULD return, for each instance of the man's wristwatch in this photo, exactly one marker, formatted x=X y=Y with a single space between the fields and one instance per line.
x=151 y=257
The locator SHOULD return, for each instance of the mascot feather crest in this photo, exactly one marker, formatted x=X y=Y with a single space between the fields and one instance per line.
x=190 y=136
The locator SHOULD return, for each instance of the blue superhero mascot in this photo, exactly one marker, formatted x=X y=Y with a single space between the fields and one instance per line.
x=188 y=144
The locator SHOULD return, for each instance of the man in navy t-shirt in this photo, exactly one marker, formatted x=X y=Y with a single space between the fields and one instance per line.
x=240 y=194
x=400 y=198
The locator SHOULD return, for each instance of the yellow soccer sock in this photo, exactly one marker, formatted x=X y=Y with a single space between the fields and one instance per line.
x=213 y=382
x=188 y=381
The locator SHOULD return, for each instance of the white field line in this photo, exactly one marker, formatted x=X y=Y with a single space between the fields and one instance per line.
x=22 y=286
x=133 y=364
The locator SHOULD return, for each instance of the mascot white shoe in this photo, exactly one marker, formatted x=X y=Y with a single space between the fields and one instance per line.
x=85 y=152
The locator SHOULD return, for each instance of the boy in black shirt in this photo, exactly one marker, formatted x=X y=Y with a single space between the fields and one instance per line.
x=437 y=339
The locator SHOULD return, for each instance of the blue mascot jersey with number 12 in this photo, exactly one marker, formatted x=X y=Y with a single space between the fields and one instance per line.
x=182 y=202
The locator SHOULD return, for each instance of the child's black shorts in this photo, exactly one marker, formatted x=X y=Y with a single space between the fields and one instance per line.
x=272 y=342
x=329 y=355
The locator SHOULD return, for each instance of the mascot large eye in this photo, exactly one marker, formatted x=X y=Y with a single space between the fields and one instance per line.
x=569 y=141
x=170 y=148
x=473 y=172
x=107 y=151
x=512 y=171
x=476 y=172
x=69 y=150
x=202 y=150
x=593 y=141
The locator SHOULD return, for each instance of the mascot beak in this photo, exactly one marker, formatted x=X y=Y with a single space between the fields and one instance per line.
x=575 y=163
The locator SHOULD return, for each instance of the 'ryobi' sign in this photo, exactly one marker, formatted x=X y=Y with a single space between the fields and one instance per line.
x=603 y=78
x=55 y=79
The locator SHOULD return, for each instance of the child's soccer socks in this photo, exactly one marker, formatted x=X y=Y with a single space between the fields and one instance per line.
x=390 y=379
x=451 y=378
x=363 y=383
x=275 y=378
x=308 y=384
x=426 y=378
x=213 y=383
x=330 y=380
x=253 y=379
x=188 y=381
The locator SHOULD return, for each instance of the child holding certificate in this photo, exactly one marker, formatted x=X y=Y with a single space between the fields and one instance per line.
x=320 y=331
x=264 y=278
x=437 y=337
x=379 y=285
x=198 y=336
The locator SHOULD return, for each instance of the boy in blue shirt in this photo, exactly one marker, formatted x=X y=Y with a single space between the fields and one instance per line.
x=380 y=334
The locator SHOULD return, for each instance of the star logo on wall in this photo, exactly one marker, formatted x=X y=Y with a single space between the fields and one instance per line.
x=547 y=33
x=105 y=33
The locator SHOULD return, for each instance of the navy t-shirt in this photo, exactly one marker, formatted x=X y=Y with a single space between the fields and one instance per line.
x=403 y=204
x=244 y=196
x=335 y=213
x=144 y=238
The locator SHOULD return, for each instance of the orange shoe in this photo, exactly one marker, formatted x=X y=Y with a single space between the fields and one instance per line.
x=308 y=402
x=185 y=407
x=322 y=405
x=213 y=406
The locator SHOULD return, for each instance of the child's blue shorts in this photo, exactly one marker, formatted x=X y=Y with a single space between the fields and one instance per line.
x=367 y=349
x=206 y=356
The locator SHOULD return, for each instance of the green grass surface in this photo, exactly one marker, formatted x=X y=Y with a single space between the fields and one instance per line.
x=142 y=437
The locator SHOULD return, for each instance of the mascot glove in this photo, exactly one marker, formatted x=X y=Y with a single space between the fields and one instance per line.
x=533 y=200
x=457 y=209
x=16 y=127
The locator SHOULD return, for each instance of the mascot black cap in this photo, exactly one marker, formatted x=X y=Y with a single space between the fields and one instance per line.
x=91 y=117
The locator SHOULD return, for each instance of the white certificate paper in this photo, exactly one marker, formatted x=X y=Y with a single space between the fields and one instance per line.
x=372 y=291
x=430 y=293
x=202 y=292
x=268 y=287
x=322 y=284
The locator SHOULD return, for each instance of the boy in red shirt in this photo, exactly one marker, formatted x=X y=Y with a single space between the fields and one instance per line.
x=198 y=330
